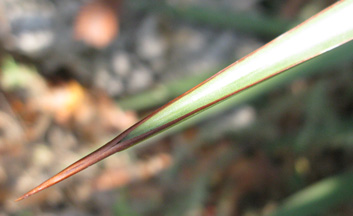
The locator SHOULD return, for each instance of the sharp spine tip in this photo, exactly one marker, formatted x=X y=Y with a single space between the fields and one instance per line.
x=21 y=198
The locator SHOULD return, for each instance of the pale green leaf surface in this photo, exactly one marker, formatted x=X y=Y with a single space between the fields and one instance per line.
x=323 y=32
x=316 y=36
x=322 y=63
x=164 y=91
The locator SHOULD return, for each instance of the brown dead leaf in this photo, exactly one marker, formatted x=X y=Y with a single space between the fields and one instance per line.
x=61 y=101
x=97 y=22
x=113 y=178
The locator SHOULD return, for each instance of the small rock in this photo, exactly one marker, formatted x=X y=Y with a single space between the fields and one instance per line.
x=141 y=78
x=115 y=87
x=121 y=63
x=109 y=82
x=216 y=54
x=30 y=25
x=150 y=43
x=189 y=41
x=42 y=156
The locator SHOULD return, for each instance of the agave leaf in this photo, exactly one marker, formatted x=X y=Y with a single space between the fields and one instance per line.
x=330 y=28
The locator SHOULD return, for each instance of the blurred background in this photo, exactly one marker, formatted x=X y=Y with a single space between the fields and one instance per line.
x=74 y=74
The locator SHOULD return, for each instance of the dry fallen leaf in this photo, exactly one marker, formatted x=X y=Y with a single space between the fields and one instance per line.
x=113 y=178
x=97 y=22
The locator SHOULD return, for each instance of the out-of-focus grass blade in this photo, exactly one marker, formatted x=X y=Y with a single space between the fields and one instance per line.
x=254 y=23
x=319 y=197
x=321 y=33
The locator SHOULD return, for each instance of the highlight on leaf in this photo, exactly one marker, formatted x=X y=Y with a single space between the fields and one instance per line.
x=315 y=36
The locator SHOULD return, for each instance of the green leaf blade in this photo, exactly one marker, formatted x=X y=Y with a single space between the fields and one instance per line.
x=302 y=43
x=318 y=197
x=317 y=35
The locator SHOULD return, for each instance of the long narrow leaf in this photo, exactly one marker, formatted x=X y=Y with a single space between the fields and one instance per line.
x=166 y=91
x=323 y=32
x=319 y=197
